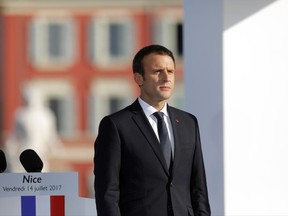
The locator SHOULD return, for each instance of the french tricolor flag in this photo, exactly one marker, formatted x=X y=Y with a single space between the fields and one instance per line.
x=43 y=205
x=47 y=205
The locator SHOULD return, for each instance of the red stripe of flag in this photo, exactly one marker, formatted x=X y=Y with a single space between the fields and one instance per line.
x=57 y=206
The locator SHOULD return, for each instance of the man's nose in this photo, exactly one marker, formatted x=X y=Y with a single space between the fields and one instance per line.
x=165 y=74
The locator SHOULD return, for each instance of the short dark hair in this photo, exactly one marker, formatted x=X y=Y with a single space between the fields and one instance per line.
x=137 y=65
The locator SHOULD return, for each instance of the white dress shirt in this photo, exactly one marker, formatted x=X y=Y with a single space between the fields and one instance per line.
x=149 y=110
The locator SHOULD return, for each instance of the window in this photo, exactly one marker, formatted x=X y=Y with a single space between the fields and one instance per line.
x=111 y=40
x=179 y=36
x=59 y=96
x=51 y=42
x=62 y=107
x=115 y=103
x=107 y=96
x=55 y=32
x=169 y=33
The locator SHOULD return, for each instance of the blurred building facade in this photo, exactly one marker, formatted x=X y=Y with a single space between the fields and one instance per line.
x=78 y=54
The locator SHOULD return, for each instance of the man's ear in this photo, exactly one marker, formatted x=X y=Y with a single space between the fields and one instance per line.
x=138 y=78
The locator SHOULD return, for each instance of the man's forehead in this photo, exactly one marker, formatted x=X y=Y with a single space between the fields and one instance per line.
x=157 y=59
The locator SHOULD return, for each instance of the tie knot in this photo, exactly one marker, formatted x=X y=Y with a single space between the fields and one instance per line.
x=159 y=115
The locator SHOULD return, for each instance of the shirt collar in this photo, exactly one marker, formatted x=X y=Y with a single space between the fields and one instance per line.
x=149 y=110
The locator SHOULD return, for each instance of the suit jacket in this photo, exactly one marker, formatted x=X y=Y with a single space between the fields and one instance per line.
x=131 y=176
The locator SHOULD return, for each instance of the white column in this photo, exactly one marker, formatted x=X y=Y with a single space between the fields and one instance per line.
x=256 y=111
x=203 y=87
x=236 y=82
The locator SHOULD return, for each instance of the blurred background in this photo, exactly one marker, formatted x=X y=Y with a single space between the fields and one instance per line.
x=66 y=64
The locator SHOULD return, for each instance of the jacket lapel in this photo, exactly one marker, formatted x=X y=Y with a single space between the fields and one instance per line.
x=147 y=131
x=176 y=129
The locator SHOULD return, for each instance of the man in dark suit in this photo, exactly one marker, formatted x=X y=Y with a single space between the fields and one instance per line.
x=140 y=169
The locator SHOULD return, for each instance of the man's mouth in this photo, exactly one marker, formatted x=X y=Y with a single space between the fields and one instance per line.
x=165 y=88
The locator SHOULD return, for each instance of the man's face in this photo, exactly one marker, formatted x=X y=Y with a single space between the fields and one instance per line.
x=158 y=82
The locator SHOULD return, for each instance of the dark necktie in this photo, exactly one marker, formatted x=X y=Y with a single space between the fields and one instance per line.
x=164 y=137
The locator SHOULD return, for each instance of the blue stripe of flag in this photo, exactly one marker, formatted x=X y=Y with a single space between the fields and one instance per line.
x=28 y=206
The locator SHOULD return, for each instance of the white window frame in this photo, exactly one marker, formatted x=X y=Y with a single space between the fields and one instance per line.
x=61 y=89
x=38 y=36
x=99 y=47
x=165 y=32
x=101 y=91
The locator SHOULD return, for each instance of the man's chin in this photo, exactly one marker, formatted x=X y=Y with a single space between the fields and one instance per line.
x=165 y=97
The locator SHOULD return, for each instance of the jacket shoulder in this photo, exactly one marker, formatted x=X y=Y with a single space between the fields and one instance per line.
x=124 y=114
x=182 y=113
